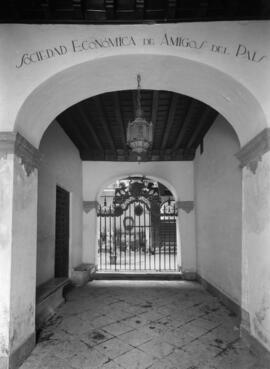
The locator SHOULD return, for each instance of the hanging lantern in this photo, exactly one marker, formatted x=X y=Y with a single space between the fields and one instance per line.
x=139 y=132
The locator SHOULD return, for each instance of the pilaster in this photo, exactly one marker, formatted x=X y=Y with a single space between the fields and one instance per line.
x=18 y=234
x=254 y=159
x=89 y=230
x=186 y=219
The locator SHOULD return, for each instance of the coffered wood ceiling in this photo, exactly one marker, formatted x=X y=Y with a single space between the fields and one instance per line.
x=97 y=125
x=130 y=11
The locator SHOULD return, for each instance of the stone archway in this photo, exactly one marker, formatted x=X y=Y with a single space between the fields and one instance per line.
x=222 y=92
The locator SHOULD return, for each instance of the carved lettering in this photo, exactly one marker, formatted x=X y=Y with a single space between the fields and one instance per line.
x=243 y=52
x=167 y=40
x=219 y=49
x=40 y=55
x=180 y=41
x=121 y=41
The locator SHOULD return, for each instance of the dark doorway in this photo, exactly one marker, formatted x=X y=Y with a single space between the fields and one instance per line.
x=61 y=233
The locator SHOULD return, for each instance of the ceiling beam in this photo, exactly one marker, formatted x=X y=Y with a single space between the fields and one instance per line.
x=202 y=127
x=171 y=10
x=134 y=101
x=139 y=9
x=154 y=107
x=172 y=110
x=77 y=9
x=110 y=8
x=46 y=6
x=119 y=117
x=191 y=107
x=87 y=123
x=203 y=8
x=74 y=130
x=103 y=121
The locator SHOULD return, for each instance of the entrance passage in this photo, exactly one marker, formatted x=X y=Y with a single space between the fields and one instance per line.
x=137 y=227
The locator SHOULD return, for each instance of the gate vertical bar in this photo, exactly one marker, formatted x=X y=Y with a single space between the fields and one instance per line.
x=125 y=235
x=110 y=217
x=100 y=238
x=150 y=240
x=129 y=236
x=105 y=239
x=135 y=241
x=140 y=249
x=120 y=240
x=159 y=247
x=175 y=242
x=145 y=230
x=170 y=230
x=114 y=239
x=165 y=240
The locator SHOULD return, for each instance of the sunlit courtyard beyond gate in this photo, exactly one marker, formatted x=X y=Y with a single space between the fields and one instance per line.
x=139 y=325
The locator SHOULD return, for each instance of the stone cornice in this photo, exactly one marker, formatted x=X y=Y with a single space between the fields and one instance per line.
x=14 y=143
x=252 y=152
x=89 y=205
x=186 y=206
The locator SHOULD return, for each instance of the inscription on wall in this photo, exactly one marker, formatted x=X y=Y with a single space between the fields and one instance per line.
x=77 y=46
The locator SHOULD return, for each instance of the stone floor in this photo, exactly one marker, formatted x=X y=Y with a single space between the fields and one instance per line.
x=142 y=324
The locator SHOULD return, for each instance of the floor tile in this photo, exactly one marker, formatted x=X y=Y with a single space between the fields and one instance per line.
x=136 y=337
x=117 y=328
x=157 y=348
x=113 y=348
x=135 y=359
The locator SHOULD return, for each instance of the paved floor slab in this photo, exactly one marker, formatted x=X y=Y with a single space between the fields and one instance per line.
x=140 y=325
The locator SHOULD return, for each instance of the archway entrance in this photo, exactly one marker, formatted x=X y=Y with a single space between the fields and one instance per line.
x=137 y=227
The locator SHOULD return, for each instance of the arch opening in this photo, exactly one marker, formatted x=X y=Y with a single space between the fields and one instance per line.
x=224 y=93
x=137 y=228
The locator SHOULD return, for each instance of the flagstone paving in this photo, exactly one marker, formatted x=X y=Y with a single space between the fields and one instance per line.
x=139 y=325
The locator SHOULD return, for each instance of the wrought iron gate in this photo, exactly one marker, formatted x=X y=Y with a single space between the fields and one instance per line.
x=136 y=231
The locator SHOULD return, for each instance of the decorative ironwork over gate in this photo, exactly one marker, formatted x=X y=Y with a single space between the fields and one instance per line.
x=137 y=231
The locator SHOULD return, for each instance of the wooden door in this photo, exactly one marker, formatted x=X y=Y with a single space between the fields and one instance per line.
x=62 y=233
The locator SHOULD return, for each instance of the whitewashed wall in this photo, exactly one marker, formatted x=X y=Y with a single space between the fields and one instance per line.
x=61 y=165
x=218 y=204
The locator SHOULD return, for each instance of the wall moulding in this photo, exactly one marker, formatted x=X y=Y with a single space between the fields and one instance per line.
x=89 y=205
x=186 y=206
x=14 y=143
x=250 y=154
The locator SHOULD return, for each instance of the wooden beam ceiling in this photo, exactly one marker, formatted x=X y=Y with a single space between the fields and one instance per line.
x=202 y=127
x=103 y=121
x=192 y=105
x=170 y=120
x=87 y=123
x=119 y=117
x=154 y=107
x=97 y=125
x=131 y=11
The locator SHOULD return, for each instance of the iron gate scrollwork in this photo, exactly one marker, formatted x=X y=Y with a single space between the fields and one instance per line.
x=137 y=231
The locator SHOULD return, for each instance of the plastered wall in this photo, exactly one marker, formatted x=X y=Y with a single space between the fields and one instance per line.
x=218 y=210
x=256 y=252
x=60 y=165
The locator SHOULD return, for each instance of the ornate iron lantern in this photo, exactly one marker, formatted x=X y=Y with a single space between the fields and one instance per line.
x=139 y=131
